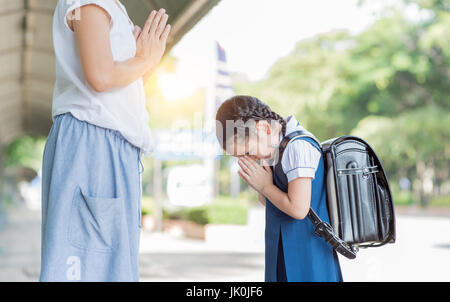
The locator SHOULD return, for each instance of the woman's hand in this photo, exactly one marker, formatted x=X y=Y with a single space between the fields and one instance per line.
x=256 y=176
x=151 y=40
x=102 y=72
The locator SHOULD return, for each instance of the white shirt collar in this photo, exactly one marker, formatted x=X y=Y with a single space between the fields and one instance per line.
x=291 y=125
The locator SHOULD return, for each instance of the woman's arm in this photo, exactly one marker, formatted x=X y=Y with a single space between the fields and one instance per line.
x=99 y=67
x=295 y=203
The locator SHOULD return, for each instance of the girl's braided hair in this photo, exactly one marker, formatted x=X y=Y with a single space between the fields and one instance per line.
x=244 y=108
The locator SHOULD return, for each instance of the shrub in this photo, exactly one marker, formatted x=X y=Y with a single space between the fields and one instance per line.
x=441 y=201
x=223 y=210
x=147 y=205
x=227 y=213
x=218 y=213
x=198 y=215
x=402 y=197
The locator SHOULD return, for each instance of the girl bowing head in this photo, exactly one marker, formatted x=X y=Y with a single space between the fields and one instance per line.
x=250 y=130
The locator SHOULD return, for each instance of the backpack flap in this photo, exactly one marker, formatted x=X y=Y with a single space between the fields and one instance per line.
x=358 y=195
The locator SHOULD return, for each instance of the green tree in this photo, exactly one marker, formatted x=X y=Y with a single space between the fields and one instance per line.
x=389 y=84
x=26 y=151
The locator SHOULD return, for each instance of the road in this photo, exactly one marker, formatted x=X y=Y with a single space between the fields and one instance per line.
x=421 y=253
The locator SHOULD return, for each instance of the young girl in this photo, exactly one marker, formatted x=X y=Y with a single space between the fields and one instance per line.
x=91 y=176
x=293 y=252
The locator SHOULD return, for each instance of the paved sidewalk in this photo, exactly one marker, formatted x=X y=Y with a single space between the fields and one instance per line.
x=20 y=246
x=163 y=257
x=422 y=253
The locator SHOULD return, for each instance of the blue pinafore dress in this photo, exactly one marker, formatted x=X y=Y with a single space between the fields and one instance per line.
x=293 y=252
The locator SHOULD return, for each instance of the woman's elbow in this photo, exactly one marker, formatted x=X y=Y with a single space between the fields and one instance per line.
x=98 y=84
x=98 y=79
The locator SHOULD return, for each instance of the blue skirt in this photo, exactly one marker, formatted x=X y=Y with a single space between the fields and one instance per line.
x=294 y=253
x=91 y=204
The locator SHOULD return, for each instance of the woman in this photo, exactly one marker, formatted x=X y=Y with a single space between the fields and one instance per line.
x=91 y=189
x=293 y=251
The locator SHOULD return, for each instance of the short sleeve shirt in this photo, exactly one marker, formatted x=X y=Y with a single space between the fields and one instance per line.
x=300 y=158
x=122 y=108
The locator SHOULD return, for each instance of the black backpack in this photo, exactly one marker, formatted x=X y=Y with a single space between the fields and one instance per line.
x=359 y=200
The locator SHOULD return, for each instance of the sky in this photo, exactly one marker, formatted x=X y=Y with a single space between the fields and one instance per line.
x=256 y=33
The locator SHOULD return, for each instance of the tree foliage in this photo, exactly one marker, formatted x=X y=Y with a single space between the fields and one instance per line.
x=388 y=84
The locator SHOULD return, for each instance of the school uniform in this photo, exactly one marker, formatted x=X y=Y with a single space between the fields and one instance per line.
x=292 y=251
x=92 y=169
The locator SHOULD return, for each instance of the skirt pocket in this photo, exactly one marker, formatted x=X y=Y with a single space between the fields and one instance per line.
x=94 y=222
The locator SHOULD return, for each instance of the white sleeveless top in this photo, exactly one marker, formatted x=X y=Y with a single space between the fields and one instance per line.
x=122 y=109
x=301 y=158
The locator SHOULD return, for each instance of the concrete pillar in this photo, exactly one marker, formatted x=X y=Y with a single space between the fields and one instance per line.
x=157 y=189
x=234 y=177
x=2 y=181
x=2 y=172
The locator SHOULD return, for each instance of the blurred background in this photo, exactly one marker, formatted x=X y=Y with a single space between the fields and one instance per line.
x=376 y=69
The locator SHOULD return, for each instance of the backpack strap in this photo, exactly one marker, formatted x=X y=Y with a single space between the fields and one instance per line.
x=294 y=135
x=321 y=228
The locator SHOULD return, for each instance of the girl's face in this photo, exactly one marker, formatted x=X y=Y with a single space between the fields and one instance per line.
x=259 y=145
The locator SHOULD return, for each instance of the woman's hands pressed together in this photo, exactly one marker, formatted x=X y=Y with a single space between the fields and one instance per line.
x=93 y=40
x=151 y=40
x=258 y=177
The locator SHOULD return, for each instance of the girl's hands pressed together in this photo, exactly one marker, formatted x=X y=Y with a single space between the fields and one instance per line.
x=151 y=40
x=256 y=176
